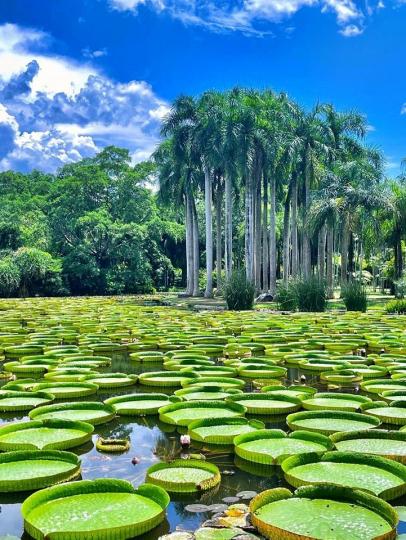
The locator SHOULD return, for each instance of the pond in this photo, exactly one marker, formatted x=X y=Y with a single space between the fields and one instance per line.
x=151 y=440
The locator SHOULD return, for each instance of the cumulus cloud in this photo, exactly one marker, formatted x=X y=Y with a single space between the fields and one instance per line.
x=403 y=109
x=45 y=125
x=248 y=16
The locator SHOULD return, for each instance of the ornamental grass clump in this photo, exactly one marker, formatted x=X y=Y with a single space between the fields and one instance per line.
x=311 y=294
x=354 y=296
x=286 y=297
x=396 y=306
x=239 y=292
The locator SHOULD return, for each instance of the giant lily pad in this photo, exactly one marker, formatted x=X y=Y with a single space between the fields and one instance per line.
x=379 y=476
x=23 y=401
x=97 y=509
x=92 y=412
x=36 y=469
x=394 y=413
x=165 y=378
x=44 y=435
x=206 y=393
x=111 y=380
x=140 y=404
x=66 y=390
x=259 y=403
x=184 y=476
x=301 y=392
x=388 y=444
x=252 y=371
x=376 y=386
x=224 y=382
x=181 y=414
x=335 y=402
x=323 y=512
x=328 y=422
x=221 y=430
x=272 y=446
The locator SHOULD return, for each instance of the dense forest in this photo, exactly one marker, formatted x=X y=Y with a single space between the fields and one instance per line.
x=241 y=179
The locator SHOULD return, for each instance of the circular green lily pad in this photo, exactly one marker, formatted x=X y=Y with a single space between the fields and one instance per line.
x=376 y=386
x=23 y=401
x=165 y=378
x=342 y=376
x=379 y=442
x=92 y=412
x=334 y=401
x=370 y=372
x=44 y=435
x=322 y=512
x=272 y=446
x=181 y=414
x=328 y=422
x=140 y=404
x=260 y=403
x=253 y=371
x=377 y=475
x=184 y=476
x=221 y=430
x=96 y=509
x=321 y=364
x=65 y=390
x=395 y=413
x=111 y=380
x=301 y=392
x=36 y=469
x=205 y=393
x=224 y=382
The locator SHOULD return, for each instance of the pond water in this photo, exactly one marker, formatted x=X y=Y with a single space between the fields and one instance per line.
x=153 y=441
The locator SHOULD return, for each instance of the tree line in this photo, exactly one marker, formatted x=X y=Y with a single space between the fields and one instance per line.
x=286 y=192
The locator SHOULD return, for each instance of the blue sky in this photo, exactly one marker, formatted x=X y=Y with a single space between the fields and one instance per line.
x=76 y=75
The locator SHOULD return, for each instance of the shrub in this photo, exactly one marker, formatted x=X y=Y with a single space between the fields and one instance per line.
x=286 y=297
x=400 y=287
x=354 y=296
x=239 y=292
x=311 y=294
x=9 y=277
x=396 y=306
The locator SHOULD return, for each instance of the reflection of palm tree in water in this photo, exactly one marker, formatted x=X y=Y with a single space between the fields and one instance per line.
x=167 y=448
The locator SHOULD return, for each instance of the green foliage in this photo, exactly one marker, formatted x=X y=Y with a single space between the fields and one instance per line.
x=400 y=287
x=396 y=306
x=286 y=297
x=311 y=294
x=354 y=296
x=40 y=273
x=9 y=277
x=239 y=292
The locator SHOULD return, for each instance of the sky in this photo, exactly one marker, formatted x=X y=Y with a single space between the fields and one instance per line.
x=76 y=75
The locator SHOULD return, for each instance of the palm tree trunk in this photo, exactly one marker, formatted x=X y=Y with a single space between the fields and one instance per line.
x=265 y=247
x=189 y=246
x=257 y=234
x=345 y=237
x=306 y=246
x=219 y=203
x=249 y=229
x=286 y=238
x=196 y=254
x=208 y=200
x=295 y=250
x=321 y=252
x=272 y=239
x=329 y=265
x=228 y=251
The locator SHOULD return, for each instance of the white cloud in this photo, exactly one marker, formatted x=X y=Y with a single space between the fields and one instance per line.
x=351 y=30
x=247 y=16
x=54 y=111
x=403 y=109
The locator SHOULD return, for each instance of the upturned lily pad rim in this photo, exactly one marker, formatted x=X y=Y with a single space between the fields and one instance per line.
x=220 y=381
x=334 y=395
x=192 y=390
x=356 y=458
x=83 y=388
x=296 y=403
x=102 y=485
x=185 y=487
x=302 y=415
x=148 y=377
x=141 y=411
x=76 y=406
x=381 y=382
x=39 y=482
x=297 y=388
x=321 y=491
x=266 y=459
x=398 y=435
